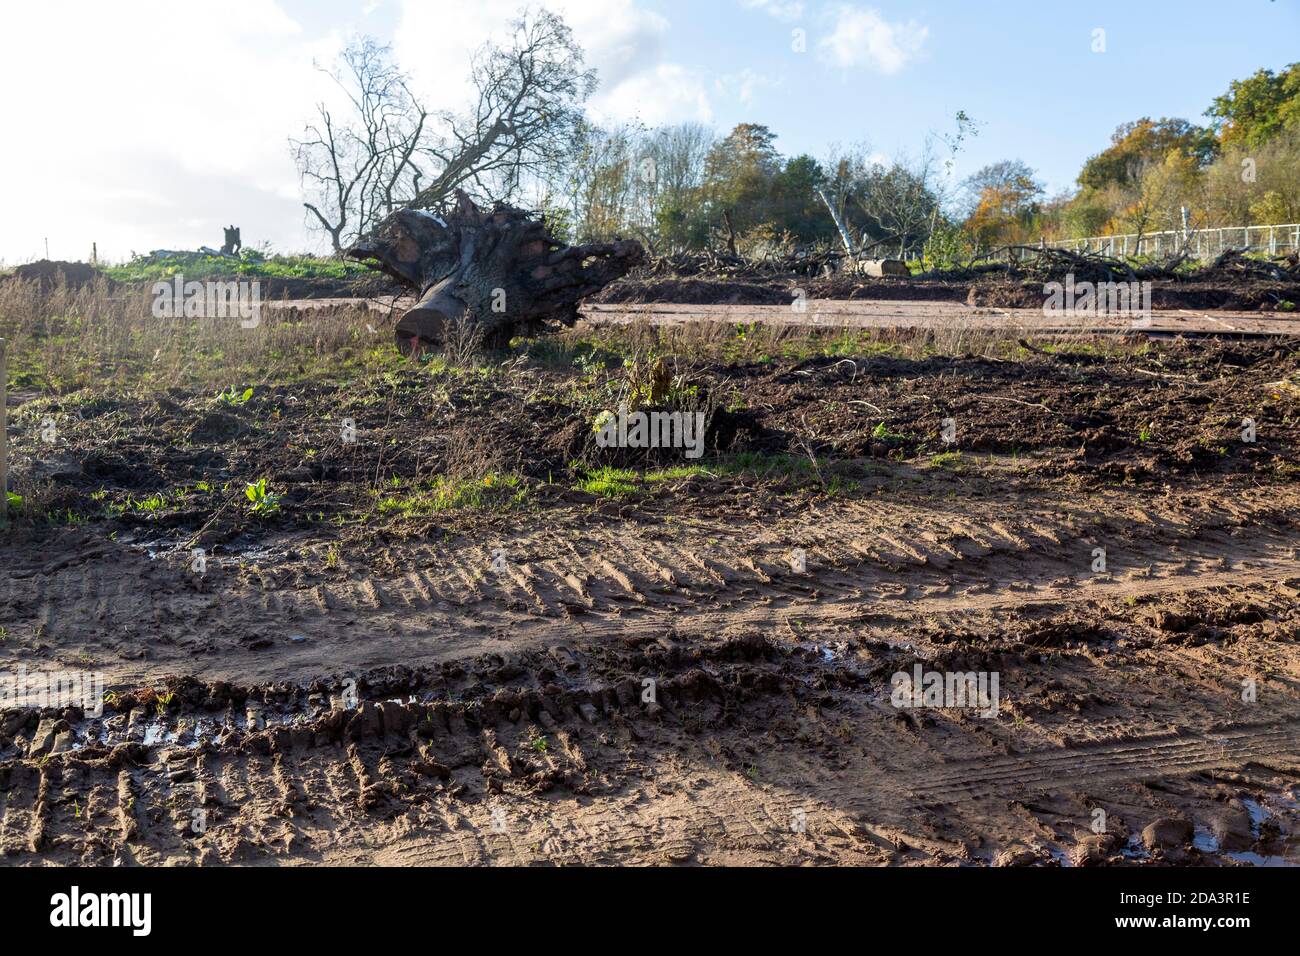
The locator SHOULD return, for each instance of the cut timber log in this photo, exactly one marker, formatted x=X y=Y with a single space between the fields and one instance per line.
x=877 y=268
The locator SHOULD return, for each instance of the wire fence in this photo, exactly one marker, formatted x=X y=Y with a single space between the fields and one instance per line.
x=1199 y=243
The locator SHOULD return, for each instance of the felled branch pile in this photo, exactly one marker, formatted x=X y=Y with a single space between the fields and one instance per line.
x=1036 y=263
x=487 y=274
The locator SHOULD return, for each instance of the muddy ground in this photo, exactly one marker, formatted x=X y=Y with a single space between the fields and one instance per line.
x=683 y=665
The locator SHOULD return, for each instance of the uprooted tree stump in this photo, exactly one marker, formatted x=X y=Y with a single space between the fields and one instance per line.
x=487 y=275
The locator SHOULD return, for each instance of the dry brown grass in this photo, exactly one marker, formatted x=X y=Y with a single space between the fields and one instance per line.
x=64 y=338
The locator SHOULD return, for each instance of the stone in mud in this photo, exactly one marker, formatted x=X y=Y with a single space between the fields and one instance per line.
x=1017 y=855
x=46 y=733
x=15 y=720
x=296 y=476
x=627 y=692
x=397 y=719
x=1231 y=828
x=365 y=722
x=1167 y=833
x=61 y=468
x=1090 y=851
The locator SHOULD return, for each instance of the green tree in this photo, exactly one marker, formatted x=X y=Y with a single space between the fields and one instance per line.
x=1256 y=109
x=796 y=208
x=739 y=175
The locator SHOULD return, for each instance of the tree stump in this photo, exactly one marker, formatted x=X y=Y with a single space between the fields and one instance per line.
x=488 y=275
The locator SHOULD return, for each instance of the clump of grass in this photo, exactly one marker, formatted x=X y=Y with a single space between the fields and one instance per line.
x=609 y=482
x=758 y=343
x=781 y=469
x=675 y=473
x=492 y=492
x=63 y=338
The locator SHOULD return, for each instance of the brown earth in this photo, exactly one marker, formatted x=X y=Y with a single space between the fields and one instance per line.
x=998 y=291
x=501 y=658
x=1231 y=282
x=47 y=273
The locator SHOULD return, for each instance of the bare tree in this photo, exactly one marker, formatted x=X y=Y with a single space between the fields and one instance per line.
x=900 y=200
x=620 y=181
x=358 y=167
x=384 y=150
x=843 y=170
x=602 y=180
x=529 y=96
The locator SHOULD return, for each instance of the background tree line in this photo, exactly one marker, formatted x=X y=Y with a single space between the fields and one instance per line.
x=524 y=137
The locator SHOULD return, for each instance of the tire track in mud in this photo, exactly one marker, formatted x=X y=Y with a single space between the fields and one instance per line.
x=327 y=801
x=744 y=740
x=857 y=558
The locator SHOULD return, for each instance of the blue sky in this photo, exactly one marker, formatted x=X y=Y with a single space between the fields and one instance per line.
x=1026 y=70
x=166 y=119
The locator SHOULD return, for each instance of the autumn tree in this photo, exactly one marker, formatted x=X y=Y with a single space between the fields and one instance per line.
x=1007 y=198
x=1138 y=145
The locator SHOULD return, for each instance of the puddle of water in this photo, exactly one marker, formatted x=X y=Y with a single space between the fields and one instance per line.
x=1135 y=849
x=156 y=548
x=1258 y=815
x=1254 y=859
x=1205 y=840
x=1059 y=855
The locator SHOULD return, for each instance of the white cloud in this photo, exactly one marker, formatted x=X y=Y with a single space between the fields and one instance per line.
x=620 y=38
x=670 y=93
x=743 y=84
x=152 y=125
x=861 y=37
x=155 y=124
x=781 y=9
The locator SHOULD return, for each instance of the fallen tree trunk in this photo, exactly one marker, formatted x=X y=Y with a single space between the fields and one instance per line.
x=487 y=274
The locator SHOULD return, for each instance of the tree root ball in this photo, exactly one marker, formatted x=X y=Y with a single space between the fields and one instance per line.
x=487 y=275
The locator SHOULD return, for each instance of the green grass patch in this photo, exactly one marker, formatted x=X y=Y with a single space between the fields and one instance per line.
x=494 y=492
x=830 y=477
x=947 y=459
x=253 y=265
x=882 y=433
x=610 y=482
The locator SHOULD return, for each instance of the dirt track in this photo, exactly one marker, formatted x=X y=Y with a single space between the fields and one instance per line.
x=897 y=315
x=500 y=665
